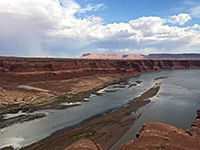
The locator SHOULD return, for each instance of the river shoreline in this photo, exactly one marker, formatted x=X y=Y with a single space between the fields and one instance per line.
x=56 y=103
x=105 y=128
x=88 y=133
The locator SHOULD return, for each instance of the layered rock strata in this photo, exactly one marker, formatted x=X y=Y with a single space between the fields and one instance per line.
x=24 y=70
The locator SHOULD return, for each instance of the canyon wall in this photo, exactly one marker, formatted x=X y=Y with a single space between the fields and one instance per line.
x=22 y=70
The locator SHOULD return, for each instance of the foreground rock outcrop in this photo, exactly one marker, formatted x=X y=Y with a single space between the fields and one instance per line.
x=155 y=135
x=194 y=130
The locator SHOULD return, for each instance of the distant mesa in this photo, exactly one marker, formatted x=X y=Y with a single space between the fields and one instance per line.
x=175 y=56
x=140 y=56
x=111 y=56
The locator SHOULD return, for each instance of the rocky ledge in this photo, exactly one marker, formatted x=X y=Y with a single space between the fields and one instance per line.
x=155 y=135
x=29 y=70
x=85 y=144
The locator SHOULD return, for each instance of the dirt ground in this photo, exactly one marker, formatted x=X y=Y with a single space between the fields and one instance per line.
x=50 y=93
x=104 y=129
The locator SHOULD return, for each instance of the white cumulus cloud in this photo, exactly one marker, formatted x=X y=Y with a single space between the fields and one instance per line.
x=51 y=28
x=180 y=19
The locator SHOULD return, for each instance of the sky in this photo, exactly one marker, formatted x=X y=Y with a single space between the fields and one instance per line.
x=69 y=28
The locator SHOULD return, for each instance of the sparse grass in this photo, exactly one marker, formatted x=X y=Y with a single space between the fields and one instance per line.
x=61 y=97
x=68 y=97
x=14 y=108
x=165 y=139
x=23 y=109
x=114 y=81
x=12 y=105
x=161 y=147
x=174 y=131
x=73 y=96
x=83 y=134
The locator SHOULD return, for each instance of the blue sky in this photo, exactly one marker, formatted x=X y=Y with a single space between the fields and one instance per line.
x=124 y=11
x=69 y=28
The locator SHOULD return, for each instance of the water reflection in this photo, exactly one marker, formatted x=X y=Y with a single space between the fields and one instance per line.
x=178 y=96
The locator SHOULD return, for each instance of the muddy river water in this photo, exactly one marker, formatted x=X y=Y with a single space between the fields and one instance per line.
x=176 y=104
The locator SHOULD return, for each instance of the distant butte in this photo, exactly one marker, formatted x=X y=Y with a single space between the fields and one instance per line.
x=140 y=56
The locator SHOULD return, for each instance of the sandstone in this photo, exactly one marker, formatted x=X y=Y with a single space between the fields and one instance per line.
x=150 y=136
x=123 y=146
x=51 y=75
x=85 y=144
x=26 y=70
x=198 y=113
x=1 y=70
x=112 y=56
x=194 y=130
x=139 y=56
x=154 y=135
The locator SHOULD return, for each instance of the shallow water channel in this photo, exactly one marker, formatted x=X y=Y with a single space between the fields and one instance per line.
x=176 y=104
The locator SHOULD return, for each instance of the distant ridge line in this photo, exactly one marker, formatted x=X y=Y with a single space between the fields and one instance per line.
x=141 y=56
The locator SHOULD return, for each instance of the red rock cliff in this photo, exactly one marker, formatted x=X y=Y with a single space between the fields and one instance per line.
x=20 y=70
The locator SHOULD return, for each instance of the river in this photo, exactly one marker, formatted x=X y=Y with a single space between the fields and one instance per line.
x=175 y=104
